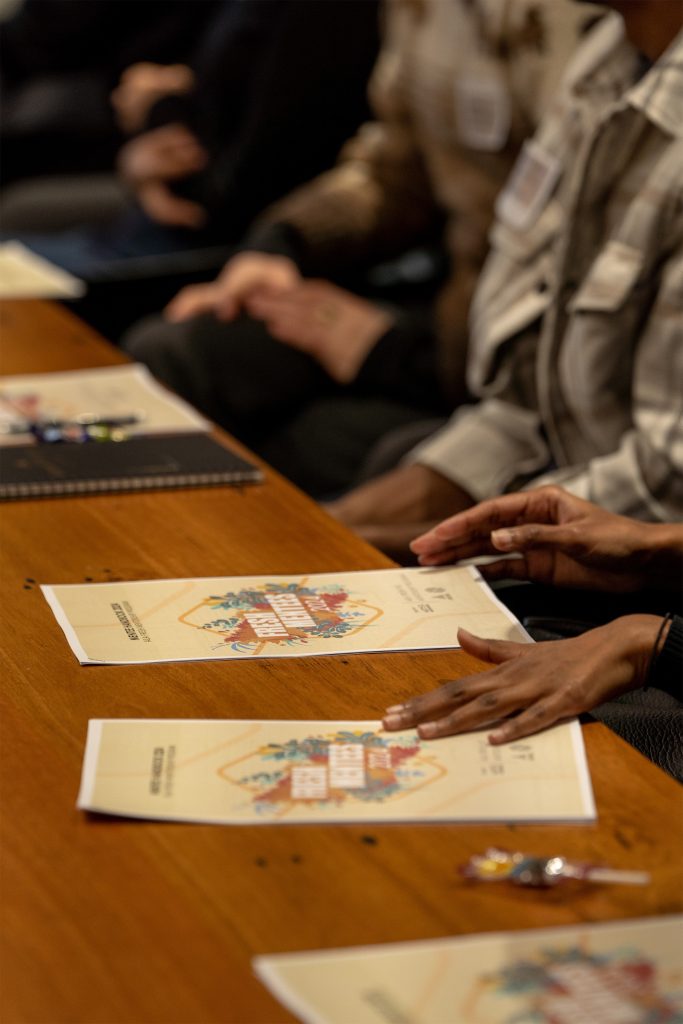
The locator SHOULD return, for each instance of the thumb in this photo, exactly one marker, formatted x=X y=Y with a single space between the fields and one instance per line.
x=166 y=208
x=530 y=535
x=232 y=293
x=496 y=651
x=227 y=308
x=192 y=301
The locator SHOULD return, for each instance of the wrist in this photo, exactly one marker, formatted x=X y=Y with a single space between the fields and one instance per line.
x=665 y=671
x=277 y=239
x=343 y=364
x=664 y=554
x=637 y=636
x=440 y=496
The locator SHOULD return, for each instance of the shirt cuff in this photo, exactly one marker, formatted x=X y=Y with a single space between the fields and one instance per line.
x=402 y=366
x=668 y=671
x=279 y=239
x=484 y=448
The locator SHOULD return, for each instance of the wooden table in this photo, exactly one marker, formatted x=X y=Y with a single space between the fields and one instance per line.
x=109 y=920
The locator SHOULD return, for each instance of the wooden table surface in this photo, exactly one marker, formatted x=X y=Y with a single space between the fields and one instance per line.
x=108 y=920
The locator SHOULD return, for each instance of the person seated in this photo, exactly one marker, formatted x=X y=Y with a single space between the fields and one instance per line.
x=142 y=87
x=575 y=333
x=58 y=61
x=57 y=203
x=285 y=349
x=563 y=541
x=277 y=88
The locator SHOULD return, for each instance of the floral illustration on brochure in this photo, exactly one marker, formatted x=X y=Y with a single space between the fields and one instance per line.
x=282 y=614
x=333 y=769
x=572 y=984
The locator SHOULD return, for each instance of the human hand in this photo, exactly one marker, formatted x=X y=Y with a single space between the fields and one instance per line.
x=335 y=327
x=562 y=540
x=545 y=682
x=391 y=509
x=141 y=85
x=163 y=155
x=242 y=277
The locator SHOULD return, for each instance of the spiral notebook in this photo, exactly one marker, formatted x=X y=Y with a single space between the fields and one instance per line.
x=143 y=463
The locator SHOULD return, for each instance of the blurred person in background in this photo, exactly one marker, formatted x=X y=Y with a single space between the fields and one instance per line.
x=273 y=91
x=310 y=345
x=59 y=60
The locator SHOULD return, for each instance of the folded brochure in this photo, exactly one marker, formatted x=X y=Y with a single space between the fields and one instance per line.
x=620 y=972
x=128 y=391
x=277 y=616
x=296 y=772
x=25 y=275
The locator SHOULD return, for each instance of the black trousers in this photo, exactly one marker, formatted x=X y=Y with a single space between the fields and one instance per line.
x=275 y=399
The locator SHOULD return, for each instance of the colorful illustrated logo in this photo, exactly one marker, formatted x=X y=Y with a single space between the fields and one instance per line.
x=564 y=986
x=281 y=614
x=333 y=769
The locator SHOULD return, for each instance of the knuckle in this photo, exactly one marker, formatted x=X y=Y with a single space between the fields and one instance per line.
x=454 y=689
x=576 y=536
x=572 y=696
x=552 y=490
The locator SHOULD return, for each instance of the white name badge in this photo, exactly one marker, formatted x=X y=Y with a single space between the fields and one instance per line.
x=529 y=187
x=482 y=107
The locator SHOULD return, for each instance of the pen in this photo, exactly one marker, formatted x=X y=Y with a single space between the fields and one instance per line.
x=87 y=419
x=82 y=420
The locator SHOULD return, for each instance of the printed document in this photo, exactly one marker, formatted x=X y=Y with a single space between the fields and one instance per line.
x=621 y=972
x=278 y=616
x=274 y=772
x=128 y=393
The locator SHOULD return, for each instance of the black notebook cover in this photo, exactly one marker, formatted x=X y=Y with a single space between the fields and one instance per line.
x=143 y=463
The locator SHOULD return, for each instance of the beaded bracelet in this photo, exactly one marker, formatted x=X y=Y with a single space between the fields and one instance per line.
x=656 y=649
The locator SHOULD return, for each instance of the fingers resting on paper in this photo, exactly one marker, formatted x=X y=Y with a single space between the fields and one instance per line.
x=538 y=684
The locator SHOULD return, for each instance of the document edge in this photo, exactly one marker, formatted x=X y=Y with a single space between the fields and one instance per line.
x=90 y=759
x=64 y=624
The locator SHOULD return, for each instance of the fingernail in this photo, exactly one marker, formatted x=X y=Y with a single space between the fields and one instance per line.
x=394 y=708
x=503 y=538
x=497 y=736
x=427 y=731
x=392 y=722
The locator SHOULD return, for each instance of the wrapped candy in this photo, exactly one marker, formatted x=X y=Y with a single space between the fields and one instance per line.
x=497 y=865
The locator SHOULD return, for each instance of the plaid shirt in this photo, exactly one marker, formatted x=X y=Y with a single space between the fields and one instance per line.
x=445 y=67
x=576 y=347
